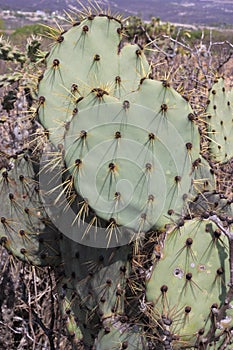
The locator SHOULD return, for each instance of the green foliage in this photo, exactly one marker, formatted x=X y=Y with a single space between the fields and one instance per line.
x=2 y=25
x=217 y=35
x=27 y=30
x=155 y=28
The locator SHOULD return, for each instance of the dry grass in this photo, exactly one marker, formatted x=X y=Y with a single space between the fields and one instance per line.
x=29 y=311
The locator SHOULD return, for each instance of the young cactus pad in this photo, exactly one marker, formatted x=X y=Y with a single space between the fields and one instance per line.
x=189 y=282
x=132 y=163
x=68 y=307
x=24 y=228
x=88 y=56
x=220 y=120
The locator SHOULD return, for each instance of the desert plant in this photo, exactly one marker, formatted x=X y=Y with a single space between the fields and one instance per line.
x=117 y=193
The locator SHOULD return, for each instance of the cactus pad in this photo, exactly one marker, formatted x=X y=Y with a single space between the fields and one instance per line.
x=24 y=229
x=88 y=56
x=189 y=281
x=118 y=336
x=134 y=163
x=220 y=121
x=95 y=285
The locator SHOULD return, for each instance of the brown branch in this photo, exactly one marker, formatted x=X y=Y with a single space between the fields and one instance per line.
x=47 y=331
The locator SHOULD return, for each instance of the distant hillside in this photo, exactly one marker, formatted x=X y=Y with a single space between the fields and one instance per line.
x=34 y=5
x=209 y=12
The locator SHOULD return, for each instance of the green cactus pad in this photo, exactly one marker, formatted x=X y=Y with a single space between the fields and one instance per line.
x=75 y=314
x=203 y=177
x=219 y=116
x=118 y=336
x=25 y=229
x=67 y=302
x=88 y=56
x=95 y=285
x=98 y=275
x=189 y=280
x=132 y=163
x=169 y=105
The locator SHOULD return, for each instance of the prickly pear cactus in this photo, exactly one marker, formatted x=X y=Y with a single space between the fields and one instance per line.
x=131 y=150
x=88 y=57
x=189 y=284
x=24 y=229
x=95 y=290
x=126 y=153
x=220 y=120
x=113 y=332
